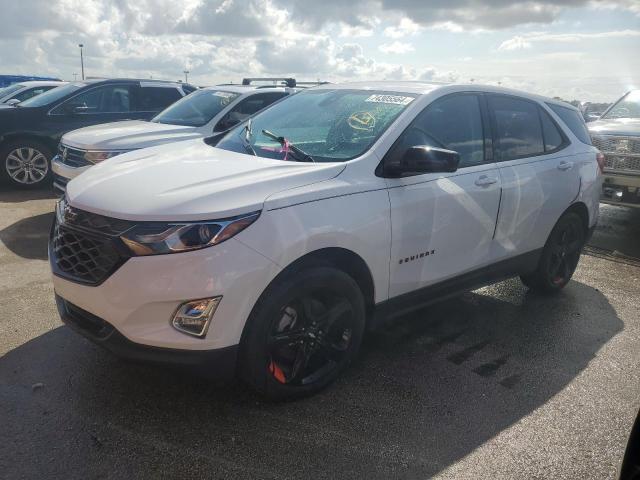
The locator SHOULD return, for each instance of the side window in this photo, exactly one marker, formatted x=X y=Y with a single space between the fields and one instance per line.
x=518 y=128
x=454 y=123
x=553 y=139
x=154 y=99
x=105 y=99
x=247 y=107
x=31 y=93
x=574 y=121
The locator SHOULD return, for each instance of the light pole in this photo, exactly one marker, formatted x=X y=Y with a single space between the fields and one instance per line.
x=81 y=60
x=186 y=76
x=75 y=77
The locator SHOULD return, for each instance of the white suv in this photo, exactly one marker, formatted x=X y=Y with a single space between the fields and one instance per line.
x=19 y=92
x=200 y=114
x=269 y=254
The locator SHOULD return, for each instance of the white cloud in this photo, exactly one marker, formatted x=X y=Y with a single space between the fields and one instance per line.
x=520 y=42
x=223 y=40
x=515 y=43
x=405 y=27
x=396 y=47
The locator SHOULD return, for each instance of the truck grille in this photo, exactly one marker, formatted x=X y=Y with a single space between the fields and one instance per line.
x=73 y=157
x=622 y=154
x=85 y=247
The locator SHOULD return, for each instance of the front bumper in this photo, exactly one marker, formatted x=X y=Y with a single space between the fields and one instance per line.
x=63 y=173
x=621 y=190
x=141 y=296
x=218 y=363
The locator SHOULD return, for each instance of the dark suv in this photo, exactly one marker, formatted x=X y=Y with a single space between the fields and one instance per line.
x=29 y=133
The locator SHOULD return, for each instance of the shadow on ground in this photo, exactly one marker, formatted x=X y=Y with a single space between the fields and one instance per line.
x=28 y=237
x=425 y=392
x=11 y=194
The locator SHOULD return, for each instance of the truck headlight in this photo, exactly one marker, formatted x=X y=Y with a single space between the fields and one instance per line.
x=154 y=238
x=194 y=317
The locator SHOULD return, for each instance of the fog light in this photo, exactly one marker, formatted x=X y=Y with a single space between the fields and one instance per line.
x=193 y=317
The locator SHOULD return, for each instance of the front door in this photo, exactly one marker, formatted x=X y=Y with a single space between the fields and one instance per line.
x=102 y=104
x=443 y=224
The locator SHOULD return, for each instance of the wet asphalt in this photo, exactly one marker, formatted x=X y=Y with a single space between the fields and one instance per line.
x=498 y=383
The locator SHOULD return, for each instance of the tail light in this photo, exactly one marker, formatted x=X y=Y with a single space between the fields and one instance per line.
x=600 y=160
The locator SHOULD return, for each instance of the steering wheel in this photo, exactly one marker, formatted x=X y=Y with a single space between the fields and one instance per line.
x=337 y=134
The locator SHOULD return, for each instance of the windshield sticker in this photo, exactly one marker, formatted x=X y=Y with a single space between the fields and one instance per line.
x=393 y=99
x=362 y=121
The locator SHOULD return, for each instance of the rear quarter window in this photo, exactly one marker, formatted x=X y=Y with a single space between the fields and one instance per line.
x=154 y=99
x=573 y=120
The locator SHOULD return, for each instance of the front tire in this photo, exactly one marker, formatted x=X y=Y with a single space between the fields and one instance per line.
x=26 y=163
x=303 y=332
x=559 y=257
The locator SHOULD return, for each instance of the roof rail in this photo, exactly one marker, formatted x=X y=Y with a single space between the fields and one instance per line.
x=311 y=84
x=290 y=82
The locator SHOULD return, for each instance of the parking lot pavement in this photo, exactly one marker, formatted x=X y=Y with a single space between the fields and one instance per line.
x=498 y=383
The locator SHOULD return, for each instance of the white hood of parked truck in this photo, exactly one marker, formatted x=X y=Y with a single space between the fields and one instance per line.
x=188 y=181
x=128 y=135
x=615 y=126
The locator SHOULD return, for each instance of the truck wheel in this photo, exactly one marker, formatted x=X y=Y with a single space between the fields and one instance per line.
x=303 y=332
x=559 y=257
x=26 y=163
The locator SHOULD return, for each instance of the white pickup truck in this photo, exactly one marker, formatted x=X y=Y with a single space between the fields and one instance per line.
x=617 y=135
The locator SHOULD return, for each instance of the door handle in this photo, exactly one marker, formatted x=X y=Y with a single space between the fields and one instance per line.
x=565 y=165
x=484 y=181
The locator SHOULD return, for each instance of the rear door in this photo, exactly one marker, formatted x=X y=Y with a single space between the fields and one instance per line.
x=539 y=178
x=443 y=223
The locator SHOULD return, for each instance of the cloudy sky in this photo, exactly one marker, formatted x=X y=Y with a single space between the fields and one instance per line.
x=577 y=49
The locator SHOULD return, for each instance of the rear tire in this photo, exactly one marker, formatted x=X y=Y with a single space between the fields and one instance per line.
x=559 y=257
x=302 y=333
x=26 y=164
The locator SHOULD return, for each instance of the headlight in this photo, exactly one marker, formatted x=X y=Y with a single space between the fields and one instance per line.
x=157 y=238
x=97 y=157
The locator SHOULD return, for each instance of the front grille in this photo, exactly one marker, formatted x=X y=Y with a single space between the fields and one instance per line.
x=72 y=157
x=622 y=154
x=614 y=162
x=85 y=247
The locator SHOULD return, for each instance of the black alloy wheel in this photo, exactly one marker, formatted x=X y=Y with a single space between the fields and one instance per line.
x=560 y=256
x=565 y=253
x=310 y=338
x=303 y=332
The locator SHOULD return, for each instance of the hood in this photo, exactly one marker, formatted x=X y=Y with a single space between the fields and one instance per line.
x=127 y=135
x=615 y=126
x=188 y=181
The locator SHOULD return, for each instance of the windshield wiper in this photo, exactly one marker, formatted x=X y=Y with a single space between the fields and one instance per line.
x=246 y=137
x=302 y=155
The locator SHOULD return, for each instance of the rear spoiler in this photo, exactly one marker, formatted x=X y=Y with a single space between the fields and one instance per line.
x=289 y=82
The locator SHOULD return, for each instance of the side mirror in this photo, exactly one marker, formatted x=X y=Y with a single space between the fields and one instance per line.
x=12 y=102
x=424 y=159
